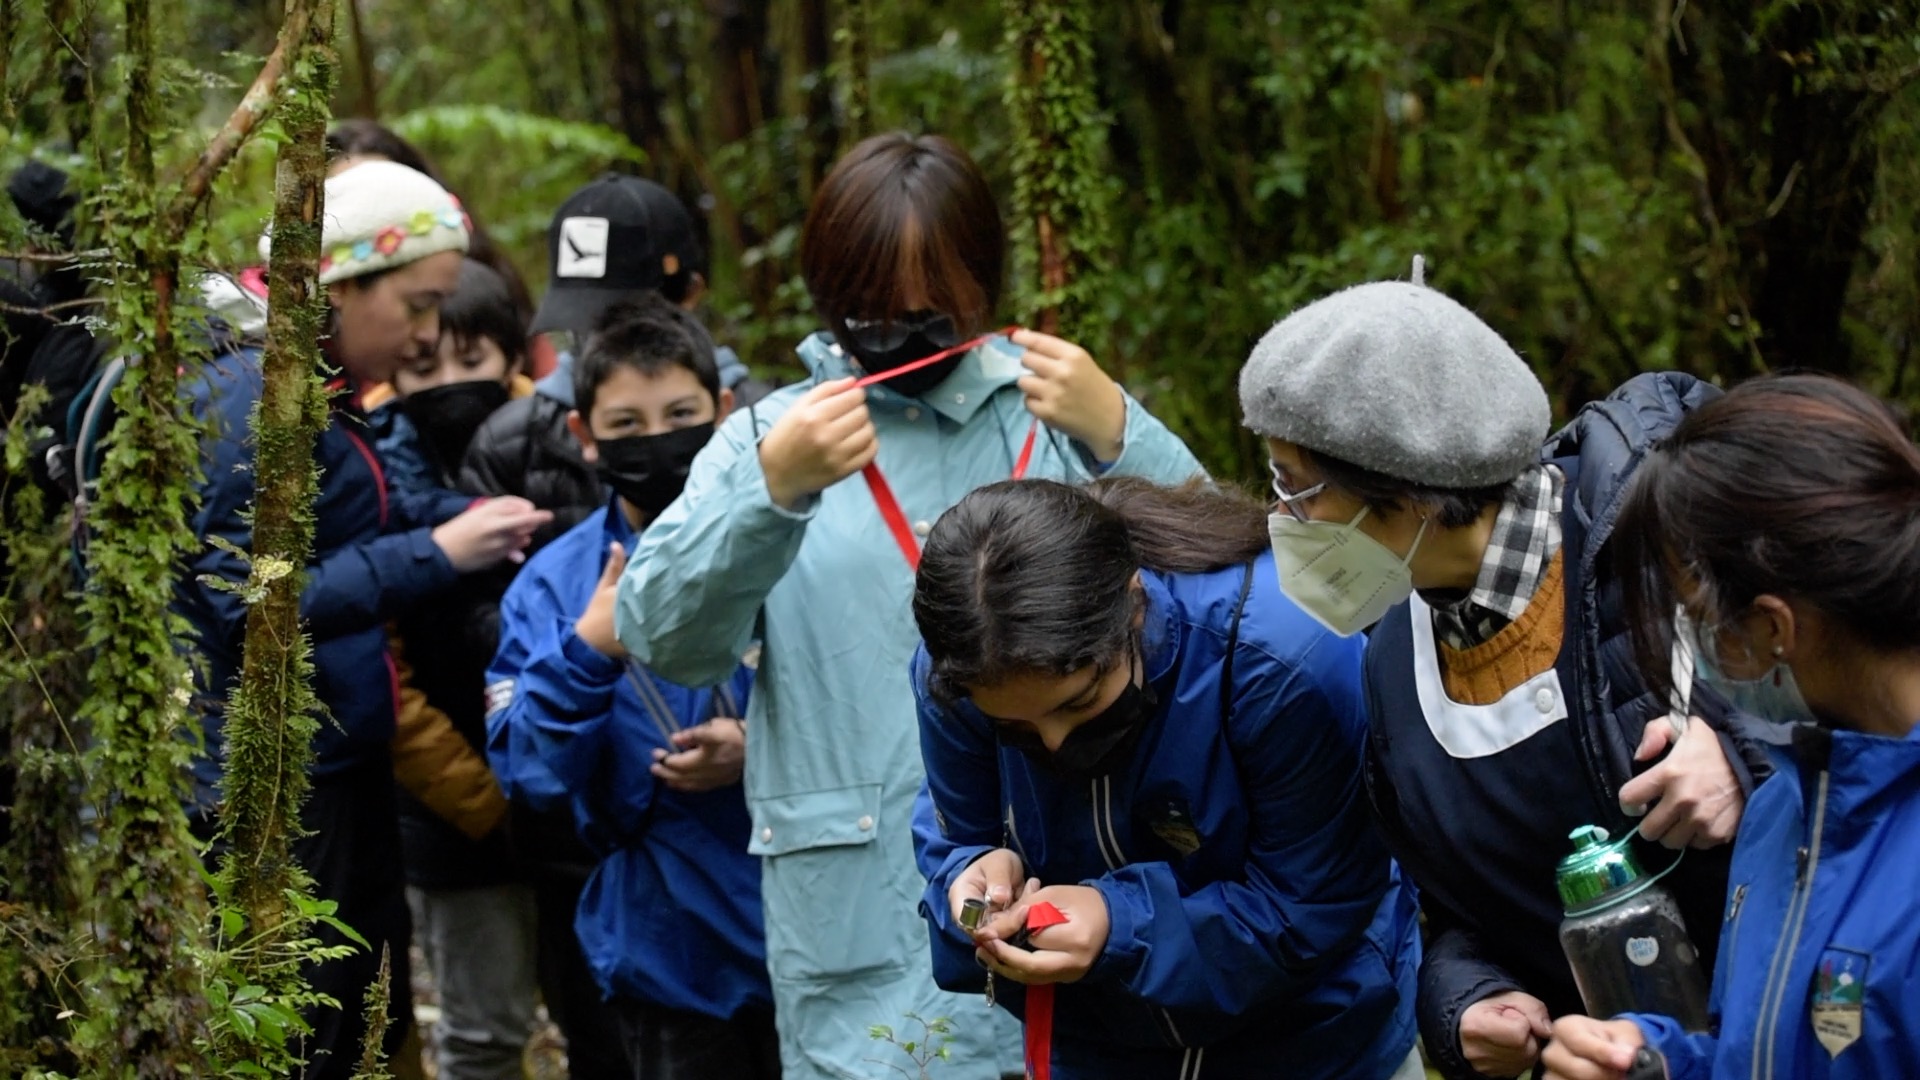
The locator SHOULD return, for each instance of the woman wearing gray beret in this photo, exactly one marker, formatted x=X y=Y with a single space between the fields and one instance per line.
x=1419 y=495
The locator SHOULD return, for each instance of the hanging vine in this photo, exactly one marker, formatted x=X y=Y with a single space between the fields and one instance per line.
x=1059 y=193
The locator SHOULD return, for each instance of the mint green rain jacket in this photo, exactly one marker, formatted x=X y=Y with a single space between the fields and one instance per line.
x=833 y=753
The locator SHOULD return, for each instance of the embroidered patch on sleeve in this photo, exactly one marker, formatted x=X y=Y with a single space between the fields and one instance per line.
x=499 y=696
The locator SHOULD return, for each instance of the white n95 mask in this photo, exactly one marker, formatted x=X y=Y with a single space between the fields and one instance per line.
x=1339 y=575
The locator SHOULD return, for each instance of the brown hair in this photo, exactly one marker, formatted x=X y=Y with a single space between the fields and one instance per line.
x=1035 y=575
x=899 y=215
x=1797 y=486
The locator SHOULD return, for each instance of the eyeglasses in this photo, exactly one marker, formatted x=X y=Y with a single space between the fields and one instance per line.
x=1291 y=500
x=886 y=335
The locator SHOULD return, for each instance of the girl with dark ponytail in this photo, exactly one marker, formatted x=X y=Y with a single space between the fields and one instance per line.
x=1775 y=537
x=1122 y=717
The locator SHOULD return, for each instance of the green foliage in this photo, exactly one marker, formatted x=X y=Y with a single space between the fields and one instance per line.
x=550 y=158
x=255 y=986
x=174 y=985
x=1596 y=179
x=373 y=1061
x=40 y=684
x=147 y=1010
x=271 y=715
x=1060 y=187
x=934 y=1043
x=854 y=37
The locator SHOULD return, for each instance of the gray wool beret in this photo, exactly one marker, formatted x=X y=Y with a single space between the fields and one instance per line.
x=1398 y=379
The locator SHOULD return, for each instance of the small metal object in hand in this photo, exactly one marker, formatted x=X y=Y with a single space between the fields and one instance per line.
x=973 y=914
x=1648 y=1064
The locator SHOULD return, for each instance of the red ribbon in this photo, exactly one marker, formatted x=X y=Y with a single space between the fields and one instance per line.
x=1039 y=1028
x=883 y=498
x=1040 y=1032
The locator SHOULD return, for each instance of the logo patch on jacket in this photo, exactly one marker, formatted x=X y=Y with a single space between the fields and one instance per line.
x=1173 y=823
x=1839 y=998
x=499 y=695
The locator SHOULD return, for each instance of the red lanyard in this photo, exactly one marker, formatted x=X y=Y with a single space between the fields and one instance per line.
x=1039 y=1032
x=883 y=498
x=1039 y=1025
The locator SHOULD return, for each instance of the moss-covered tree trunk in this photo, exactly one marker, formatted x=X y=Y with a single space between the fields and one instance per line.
x=271 y=717
x=1058 y=191
x=813 y=79
x=856 y=63
x=151 y=908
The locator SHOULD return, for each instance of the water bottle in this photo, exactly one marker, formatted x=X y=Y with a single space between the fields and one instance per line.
x=1624 y=937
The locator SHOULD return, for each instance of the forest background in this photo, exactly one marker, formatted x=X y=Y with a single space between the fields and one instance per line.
x=1615 y=185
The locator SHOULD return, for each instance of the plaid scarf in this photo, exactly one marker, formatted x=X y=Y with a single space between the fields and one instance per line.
x=1526 y=534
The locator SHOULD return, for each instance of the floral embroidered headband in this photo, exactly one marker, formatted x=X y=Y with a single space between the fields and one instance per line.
x=389 y=247
x=380 y=215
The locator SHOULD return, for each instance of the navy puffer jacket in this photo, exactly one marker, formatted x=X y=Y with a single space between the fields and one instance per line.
x=373 y=558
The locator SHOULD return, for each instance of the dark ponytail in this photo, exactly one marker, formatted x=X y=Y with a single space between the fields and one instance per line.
x=1032 y=576
x=1798 y=486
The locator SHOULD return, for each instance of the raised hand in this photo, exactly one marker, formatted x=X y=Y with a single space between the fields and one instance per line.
x=595 y=625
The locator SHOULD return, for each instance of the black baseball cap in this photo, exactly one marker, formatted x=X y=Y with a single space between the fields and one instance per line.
x=615 y=237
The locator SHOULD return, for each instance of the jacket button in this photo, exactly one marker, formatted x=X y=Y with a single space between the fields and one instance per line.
x=913 y=412
x=834 y=348
x=921 y=529
x=865 y=823
x=766 y=836
x=1543 y=701
x=959 y=399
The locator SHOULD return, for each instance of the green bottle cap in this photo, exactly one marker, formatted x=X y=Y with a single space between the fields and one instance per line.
x=1595 y=868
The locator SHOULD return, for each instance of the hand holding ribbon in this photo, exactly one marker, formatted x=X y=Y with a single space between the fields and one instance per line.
x=1069 y=393
x=825 y=437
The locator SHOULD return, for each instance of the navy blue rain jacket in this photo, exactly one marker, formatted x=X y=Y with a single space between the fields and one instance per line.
x=671 y=915
x=373 y=558
x=1480 y=833
x=1819 y=970
x=1258 y=927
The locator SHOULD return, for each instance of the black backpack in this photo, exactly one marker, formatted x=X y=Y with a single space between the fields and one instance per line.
x=72 y=458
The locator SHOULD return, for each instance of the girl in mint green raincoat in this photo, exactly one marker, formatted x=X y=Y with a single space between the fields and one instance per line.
x=784 y=540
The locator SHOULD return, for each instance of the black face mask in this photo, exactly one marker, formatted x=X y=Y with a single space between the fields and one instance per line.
x=448 y=415
x=650 y=471
x=1101 y=746
x=915 y=335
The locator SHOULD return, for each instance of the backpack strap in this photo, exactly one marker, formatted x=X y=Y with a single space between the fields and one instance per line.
x=1233 y=645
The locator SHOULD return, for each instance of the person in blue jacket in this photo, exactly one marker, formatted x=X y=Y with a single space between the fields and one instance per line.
x=1782 y=523
x=670 y=918
x=778 y=544
x=1123 y=717
x=392 y=240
